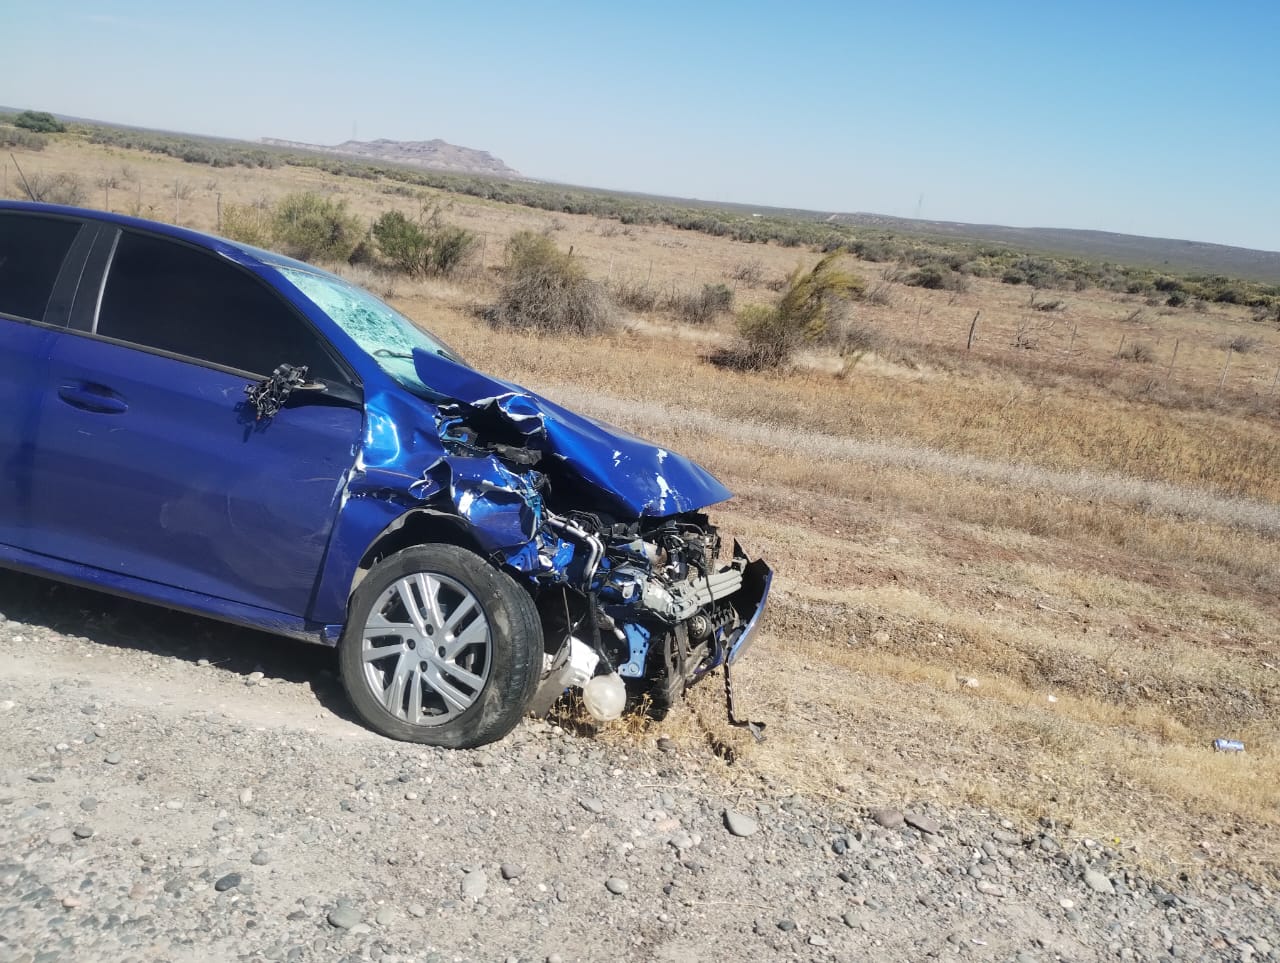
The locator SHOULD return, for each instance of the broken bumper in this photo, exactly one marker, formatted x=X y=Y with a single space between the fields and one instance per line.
x=749 y=602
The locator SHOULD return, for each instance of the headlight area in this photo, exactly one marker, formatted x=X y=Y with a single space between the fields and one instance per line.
x=650 y=603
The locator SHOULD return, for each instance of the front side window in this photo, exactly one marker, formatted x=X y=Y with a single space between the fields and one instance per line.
x=32 y=250
x=171 y=297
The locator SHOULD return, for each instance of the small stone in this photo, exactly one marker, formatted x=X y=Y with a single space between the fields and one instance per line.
x=992 y=889
x=926 y=824
x=786 y=925
x=83 y=832
x=417 y=910
x=1067 y=904
x=202 y=662
x=385 y=916
x=739 y=824
x=850 y=920
x=840 y=846
x=666 y=744
x=246 y=796
x=888 y=818
x=230 y=881
x=70 y=902
x=260 y=858
x=1098 y=882
x=816 y=940
x=253 y=678
x=475 y=884
x=344 y=917
x=113 y=759
x=593 y=806
x=511 y=870
x=616 y=886
x=881 y=637
x=173 y=805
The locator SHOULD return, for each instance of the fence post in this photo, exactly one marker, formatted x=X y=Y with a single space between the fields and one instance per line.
x=1169 y=374
x=1223 y=380
x=973 y=327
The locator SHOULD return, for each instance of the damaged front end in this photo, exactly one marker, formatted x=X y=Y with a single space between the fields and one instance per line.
x=632 y=583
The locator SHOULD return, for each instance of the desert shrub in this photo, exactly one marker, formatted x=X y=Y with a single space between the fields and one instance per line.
x=315 y=228
x=1137 y=352
x=635 y=295
x=1055 y=305
x=248 y=223
x=765 y=341
x=1177 y=299
x=701 y=307
x=57 y=188
x=425 y=246
x=750 y=273
x=24 y=139
x=935 y=277
x=545 y=289
x=1035 y=271
x=40 y=122
x=769 y=336
x=1241 y=344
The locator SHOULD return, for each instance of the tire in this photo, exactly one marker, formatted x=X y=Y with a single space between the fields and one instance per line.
x=469 y=660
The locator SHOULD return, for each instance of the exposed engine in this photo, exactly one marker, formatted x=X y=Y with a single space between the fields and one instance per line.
x=652 y=601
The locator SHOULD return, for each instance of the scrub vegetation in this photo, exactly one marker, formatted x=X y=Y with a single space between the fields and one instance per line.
x=1026 y=554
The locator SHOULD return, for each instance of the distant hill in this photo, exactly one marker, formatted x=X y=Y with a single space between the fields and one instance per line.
x=1194 y=257
x=437 y=155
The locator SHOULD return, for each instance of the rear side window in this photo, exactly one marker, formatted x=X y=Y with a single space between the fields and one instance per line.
x=32 y=250
x=165 y=295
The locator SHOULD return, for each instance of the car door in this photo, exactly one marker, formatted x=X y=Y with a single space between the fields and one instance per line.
x=38 y=255
x=150 y=463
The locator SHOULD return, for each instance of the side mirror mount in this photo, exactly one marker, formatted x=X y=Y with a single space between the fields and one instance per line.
x=287 y=382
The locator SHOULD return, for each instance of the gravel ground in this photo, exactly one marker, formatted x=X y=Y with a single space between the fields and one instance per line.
x=171 y=789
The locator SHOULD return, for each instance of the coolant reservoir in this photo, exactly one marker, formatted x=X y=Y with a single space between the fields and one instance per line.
x=604 y=696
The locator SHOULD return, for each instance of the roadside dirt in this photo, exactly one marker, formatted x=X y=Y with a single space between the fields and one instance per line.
x=174 y=789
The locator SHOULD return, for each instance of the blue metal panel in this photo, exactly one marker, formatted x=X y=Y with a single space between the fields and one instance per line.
x=23 y=350
x=157 y=469
x=636 y=477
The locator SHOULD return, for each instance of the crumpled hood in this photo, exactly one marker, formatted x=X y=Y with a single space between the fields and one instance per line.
x=633 y=477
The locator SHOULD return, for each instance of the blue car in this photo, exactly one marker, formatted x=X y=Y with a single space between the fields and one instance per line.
x=214 y=428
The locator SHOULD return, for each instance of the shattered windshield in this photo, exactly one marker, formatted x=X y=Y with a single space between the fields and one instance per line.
x=383 y=332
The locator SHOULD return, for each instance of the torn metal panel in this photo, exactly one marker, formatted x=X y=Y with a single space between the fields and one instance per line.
x=631 y=477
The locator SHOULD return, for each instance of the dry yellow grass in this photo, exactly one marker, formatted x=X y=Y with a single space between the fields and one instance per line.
x=1092 y=540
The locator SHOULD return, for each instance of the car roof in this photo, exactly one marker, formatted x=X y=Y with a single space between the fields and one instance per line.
x=241 y=253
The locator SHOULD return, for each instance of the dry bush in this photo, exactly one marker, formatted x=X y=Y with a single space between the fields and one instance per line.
x=750 y=273
x=768 y=336
x=880 y=294
x=701 y=307
x=1137 y=352
x=59 y=188
x=546 y=290
x=1240 y=344
x=248 y=223
x=635 y=295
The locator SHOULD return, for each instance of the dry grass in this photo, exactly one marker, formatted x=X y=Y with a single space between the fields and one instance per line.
x=1093 y=541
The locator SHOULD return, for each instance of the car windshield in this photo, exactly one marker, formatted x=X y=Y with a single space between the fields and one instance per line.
x=383 y=332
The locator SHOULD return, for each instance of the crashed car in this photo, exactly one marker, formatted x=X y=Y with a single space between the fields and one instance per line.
x=210 y=427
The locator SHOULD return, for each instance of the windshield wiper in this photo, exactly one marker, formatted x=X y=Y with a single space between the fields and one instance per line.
x=388 y=353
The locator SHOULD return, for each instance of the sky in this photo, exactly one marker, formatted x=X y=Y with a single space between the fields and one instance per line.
x=1140 y=117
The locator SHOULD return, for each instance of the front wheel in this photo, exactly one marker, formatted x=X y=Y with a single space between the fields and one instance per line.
x=440 y=648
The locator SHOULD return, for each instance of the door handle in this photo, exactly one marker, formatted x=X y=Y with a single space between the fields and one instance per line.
x=93 y=397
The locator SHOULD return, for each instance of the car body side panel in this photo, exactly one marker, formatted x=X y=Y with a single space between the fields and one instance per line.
x=24 y=351
x=157 y=469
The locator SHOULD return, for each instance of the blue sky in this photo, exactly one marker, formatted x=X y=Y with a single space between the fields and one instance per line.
x=1141 y=117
